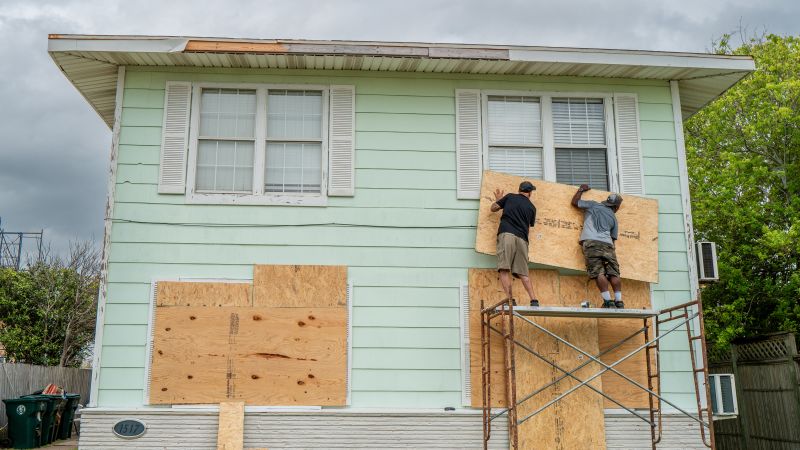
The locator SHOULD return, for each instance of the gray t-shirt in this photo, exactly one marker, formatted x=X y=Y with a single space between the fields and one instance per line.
x=599 y=222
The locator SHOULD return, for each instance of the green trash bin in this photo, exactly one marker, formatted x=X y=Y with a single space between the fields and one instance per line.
x=51 y=416
x=25 y=421
x=71 y=405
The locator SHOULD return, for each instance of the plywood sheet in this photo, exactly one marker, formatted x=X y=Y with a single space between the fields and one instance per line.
x=230 y=435
x=300 y=286
x=575 y=422
x=181 y=293
x=610 y=331
x=264 y=356
x=554 y=239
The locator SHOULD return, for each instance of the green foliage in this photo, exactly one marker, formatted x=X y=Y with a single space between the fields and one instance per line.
x=744 y=170
x=47 y=309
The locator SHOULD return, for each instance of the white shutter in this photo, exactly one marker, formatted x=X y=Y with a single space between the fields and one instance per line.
x=466 y=382
x=174 y=138
x=629 y=147
x=341 y=145
x=468 y=143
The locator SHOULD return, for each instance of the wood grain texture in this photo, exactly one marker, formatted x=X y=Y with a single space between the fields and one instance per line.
x=554 y=239
x=182 y=293
x=636 y=294
x=264 y=356
x=231 y=426
x=299 y=286
x=577 y=420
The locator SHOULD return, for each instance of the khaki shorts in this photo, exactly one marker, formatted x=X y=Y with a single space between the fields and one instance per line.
x=600 y=259
x=512 y=254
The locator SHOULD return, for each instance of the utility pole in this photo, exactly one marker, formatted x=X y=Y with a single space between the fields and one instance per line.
x=11 y=245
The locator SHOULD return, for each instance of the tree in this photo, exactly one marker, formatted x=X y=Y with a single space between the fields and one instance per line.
x=48 y=309
x=744 y=171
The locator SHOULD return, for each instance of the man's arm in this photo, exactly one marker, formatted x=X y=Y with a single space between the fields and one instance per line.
x=615 y=230
x=577 y=197
x=498 y=203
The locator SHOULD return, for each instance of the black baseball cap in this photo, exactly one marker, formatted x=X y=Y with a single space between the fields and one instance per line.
x=526 y=186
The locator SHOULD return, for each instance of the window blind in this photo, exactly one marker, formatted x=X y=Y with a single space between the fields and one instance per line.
x=576 y=166
x=579 y=121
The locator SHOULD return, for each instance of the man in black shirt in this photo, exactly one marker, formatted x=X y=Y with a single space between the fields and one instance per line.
x=519 y=215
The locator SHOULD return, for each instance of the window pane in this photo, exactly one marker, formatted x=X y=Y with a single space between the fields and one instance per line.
x=293 y=167
x=227 y=113
x=579 y=121
x=515 y=121
x=224 y=166
x=524 y=162
x=578 y=166
x=294 y=114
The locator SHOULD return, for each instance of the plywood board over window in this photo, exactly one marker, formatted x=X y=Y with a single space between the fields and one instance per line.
x=211 y=344
x=554 y=238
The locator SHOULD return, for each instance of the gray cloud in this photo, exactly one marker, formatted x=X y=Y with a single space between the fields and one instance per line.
x=54 y=152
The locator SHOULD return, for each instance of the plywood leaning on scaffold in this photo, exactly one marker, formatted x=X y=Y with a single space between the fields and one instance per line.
x=213 y=348
x=554 y=239
x=577 y=421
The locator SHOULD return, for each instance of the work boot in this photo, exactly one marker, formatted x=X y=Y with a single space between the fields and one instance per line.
x=619 y=304
x=534 y=302
x=608 y=304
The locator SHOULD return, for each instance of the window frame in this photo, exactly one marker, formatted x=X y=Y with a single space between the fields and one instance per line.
x=548 y=138
x=258 y=196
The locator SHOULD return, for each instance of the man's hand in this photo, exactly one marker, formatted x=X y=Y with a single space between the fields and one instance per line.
x=584 y=188
x=498 y=194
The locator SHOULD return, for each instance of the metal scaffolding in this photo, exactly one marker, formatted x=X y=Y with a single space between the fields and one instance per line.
x=687 y=314
x=11 y=246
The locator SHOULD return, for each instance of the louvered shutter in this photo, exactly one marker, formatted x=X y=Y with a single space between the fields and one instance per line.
x=174 y=138
x=629 y=147
x=468 y=143
x=341 y=145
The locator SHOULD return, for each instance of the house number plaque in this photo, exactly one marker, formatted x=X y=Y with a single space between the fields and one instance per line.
x=129 y=428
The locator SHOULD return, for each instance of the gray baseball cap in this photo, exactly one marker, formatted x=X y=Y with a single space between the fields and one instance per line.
x=613 y=200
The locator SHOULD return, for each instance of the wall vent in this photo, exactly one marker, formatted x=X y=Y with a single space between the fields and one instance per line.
x=707 y=262
x=723 y=395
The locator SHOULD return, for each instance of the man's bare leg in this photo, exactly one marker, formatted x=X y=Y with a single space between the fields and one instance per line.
x=616 y=283
x=505 y=280
x=526 y=281
x=602 y=285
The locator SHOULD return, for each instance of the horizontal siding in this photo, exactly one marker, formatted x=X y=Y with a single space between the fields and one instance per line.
x=406 y=239
x=168 y=430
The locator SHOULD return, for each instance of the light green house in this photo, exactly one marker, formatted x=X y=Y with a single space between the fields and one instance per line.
x=369 y=155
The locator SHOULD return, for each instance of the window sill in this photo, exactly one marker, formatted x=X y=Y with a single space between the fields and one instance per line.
x=263 y=200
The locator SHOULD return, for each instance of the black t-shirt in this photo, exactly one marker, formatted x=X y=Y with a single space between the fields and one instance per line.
x=519 y=215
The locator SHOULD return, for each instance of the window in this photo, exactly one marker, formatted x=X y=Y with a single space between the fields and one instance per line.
x=258 y=144
x=579 y=133
x=515 y=136
x=562 y=139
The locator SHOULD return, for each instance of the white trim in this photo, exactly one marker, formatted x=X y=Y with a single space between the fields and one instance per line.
x=103 y=290
x=548 y=140
x=683 y=174
x=718 y=391
x=151 y=313
x=466 y=381
x=258 y=197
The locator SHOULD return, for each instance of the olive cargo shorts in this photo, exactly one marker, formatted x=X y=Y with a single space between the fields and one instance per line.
x=512 y=254
x=600 y=259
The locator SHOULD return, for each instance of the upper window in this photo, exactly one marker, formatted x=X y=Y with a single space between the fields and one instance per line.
x=579 y=132
x=515 y=136
x=259 y=142
x=562 y=139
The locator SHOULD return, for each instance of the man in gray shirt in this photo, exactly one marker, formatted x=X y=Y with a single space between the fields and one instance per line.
x=600 y=230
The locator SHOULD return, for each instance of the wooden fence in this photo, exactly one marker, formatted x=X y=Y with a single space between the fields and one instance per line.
x=23 y=379
x=768 y=392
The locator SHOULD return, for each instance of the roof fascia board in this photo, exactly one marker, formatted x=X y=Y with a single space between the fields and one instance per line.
x=117 y=45
x=633 y=59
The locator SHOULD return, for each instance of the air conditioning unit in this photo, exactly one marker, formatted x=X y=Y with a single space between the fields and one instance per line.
x=723 y=395
x=707 y=262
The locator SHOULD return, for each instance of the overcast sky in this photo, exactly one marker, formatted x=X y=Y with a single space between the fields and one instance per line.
x=54 y=149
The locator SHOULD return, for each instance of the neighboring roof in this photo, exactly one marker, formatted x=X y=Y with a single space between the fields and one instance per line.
x=90 y=62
